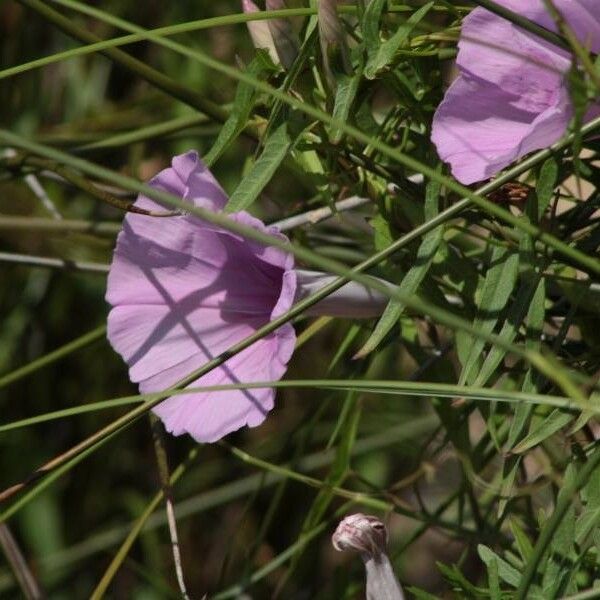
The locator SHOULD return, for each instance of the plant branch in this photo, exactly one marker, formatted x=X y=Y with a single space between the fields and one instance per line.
x=29 y=585
x=167 y=492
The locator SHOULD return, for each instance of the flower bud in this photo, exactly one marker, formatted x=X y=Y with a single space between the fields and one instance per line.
x=367 y=535
x=336 y=56
x=286 y=41
x=260 y=32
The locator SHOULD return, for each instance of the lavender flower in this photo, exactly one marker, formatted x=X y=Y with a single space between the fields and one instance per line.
x=511 y=96
x=183 y=291
x=367 y=535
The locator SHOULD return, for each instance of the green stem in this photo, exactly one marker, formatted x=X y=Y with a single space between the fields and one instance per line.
x=51 y=357
x=585 y=595
x=18 y=161
x=29 y=585
x=60 y=226
x=145 y=133
x=46 y=478
x=119 y=557
x=394 y=388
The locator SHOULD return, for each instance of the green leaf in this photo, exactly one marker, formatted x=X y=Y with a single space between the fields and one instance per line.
x=387 y=50
x=245 y=98
x=585 y=415
x=555 y=421
x=370 y=26
x=506 y=572
x=590 y=517
x=510 y=468
x=535 y=323
x=252 y=184
x=383 y=236
x=546 y=183
x=560 y=562
x=459 y=582
x=523 y=543
x=347 y=86
x=494 y=579
x=412 y=280
x=495 y=292
x=421 y=594
x=510 y=328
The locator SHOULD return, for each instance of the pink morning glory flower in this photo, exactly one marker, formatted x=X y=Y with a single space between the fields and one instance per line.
x=183 y=291
x=511 y=96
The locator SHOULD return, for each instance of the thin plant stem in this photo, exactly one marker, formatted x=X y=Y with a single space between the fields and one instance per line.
x=139 y=34
x=58 y=354
x=53 y=263
x=83 y=184
x=394 y=388
x=45 y=481
x=14 y=223
x=29 y=585
x=157 y=130
x=165 y=483
x=590 y=594
x=139 y=524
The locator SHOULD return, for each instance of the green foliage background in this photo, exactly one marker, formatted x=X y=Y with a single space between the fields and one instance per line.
x=468 y=421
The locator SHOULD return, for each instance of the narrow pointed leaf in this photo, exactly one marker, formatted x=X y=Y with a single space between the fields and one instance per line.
x=252 y=184
x=497 y=287
x=412 y=280
x=243 y=104
x=387 y=50
x=554 y=422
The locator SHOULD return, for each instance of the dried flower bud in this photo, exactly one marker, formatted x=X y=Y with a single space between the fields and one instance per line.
x=336 y=56
x=286 y=41
x=367 y=535
x=513 y=192
x=260 y=32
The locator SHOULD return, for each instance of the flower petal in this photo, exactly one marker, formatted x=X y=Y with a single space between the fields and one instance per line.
x=494 y=50
x=584 y=18
x=165 y=261
x=152 y=339
x=208 y=416
x=189 y=178
x=479 y=132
